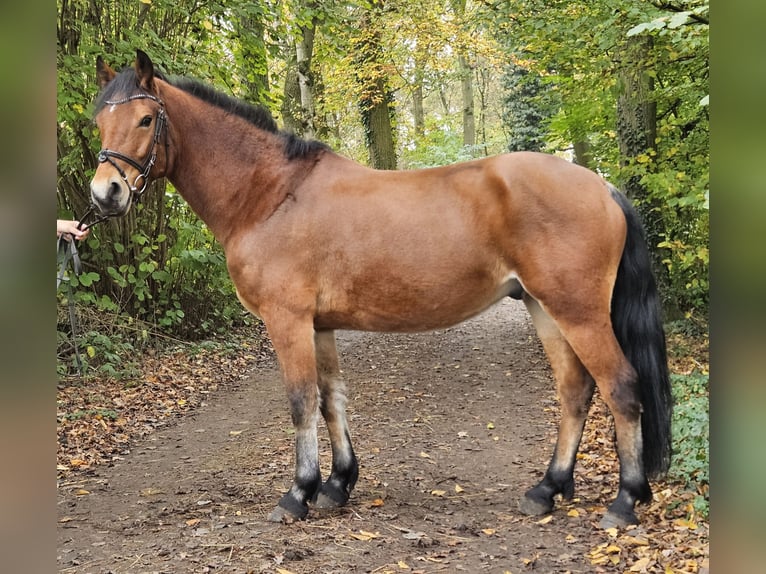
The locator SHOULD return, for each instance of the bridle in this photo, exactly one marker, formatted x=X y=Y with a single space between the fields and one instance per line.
x=106 y=155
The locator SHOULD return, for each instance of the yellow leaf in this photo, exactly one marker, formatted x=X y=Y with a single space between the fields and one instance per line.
x=438 y=492
x=641 y=565
x=489 y=531
x=207 y=24
x=284 y=571
x=235 y=432
x=612 y=549
x=545 y=520
x=364 y=536
x=490 y=426
x=193 y=522
x=424 y=455
x=377 y=502
x=459 y=488
x=636 y=540
x=403 y=565
x=573 y=513
x=82 y=492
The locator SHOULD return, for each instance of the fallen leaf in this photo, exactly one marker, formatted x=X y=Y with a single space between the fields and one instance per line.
x=424 y=455
x=489 y=531
x=459 y=488
x=284 y=571
x=150 y=492
x=573 y=513
x=81 y=492
x=364 y=536
x=193 y=521
x=235 y=432
x=545 y=520
x=438 y=492
x=377 y=502
x=403 y=565
x=490 y=425
x=640 y=565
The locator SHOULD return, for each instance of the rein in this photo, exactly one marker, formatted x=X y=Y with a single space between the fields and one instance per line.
x=106 y=155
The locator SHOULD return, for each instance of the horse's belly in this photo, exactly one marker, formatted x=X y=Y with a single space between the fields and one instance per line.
x=403 y=307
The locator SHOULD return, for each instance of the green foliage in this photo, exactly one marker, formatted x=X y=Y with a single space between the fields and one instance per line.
x=530 y=103
x=691 y=436
x=441 y=144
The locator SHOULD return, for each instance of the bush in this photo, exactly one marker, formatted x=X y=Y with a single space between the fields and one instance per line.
x=145 y=279
x=691 y=432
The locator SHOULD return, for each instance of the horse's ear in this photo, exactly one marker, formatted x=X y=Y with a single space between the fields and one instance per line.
x=104 y=73
x=144 y=71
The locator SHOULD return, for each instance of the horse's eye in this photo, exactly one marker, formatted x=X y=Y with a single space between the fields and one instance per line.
x=146 y=121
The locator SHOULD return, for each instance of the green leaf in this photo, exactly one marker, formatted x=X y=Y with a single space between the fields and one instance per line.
x=679 y=19
x=87 y=279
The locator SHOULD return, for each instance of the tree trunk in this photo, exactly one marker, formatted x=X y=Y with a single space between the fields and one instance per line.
x=304 y=49
x=254 y=56
x=465 y=73
x=466 y=90
x=582 y=155
x=636 y=135
x=375 y=97
x=418 y=113
x=291 y=102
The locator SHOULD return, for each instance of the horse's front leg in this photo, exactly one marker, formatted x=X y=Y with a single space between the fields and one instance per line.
x=293 y=340
x=345 y=469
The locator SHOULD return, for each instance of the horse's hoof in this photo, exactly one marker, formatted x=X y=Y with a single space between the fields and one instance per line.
x=282 y=516
x=331 y=496
x=612 y=520
x=325 y=502
x=532 y=507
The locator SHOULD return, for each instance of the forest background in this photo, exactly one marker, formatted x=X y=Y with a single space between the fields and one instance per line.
x=620 y=86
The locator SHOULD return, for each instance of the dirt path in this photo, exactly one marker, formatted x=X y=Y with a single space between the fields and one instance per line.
x=450 y=428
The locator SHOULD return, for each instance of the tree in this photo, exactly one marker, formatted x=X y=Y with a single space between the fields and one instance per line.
x=465 y=73
x=375 y=96
x=529 y=106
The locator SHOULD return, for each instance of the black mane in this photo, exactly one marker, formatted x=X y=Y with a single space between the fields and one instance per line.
x=126 y=84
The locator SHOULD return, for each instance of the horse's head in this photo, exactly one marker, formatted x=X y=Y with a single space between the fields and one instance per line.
x=131 y=119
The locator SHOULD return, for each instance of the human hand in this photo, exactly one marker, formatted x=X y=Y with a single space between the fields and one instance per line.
x=69 y=228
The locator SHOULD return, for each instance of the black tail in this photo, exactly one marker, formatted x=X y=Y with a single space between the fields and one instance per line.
x=637 y=322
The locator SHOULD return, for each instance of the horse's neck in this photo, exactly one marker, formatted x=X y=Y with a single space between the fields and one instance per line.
x=226 y=169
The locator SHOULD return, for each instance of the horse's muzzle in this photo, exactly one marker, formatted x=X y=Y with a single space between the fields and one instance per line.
x=111 y=199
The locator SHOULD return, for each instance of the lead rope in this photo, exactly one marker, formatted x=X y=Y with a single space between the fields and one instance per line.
x=66 y=253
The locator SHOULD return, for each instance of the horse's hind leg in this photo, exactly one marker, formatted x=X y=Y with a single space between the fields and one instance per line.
x=589 y=332
x=575 y=390
x=345 y=470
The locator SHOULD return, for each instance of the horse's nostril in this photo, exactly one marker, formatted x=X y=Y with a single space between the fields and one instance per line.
x=114 y=190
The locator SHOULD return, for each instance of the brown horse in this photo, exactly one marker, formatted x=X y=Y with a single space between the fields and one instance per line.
x=315 y=242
